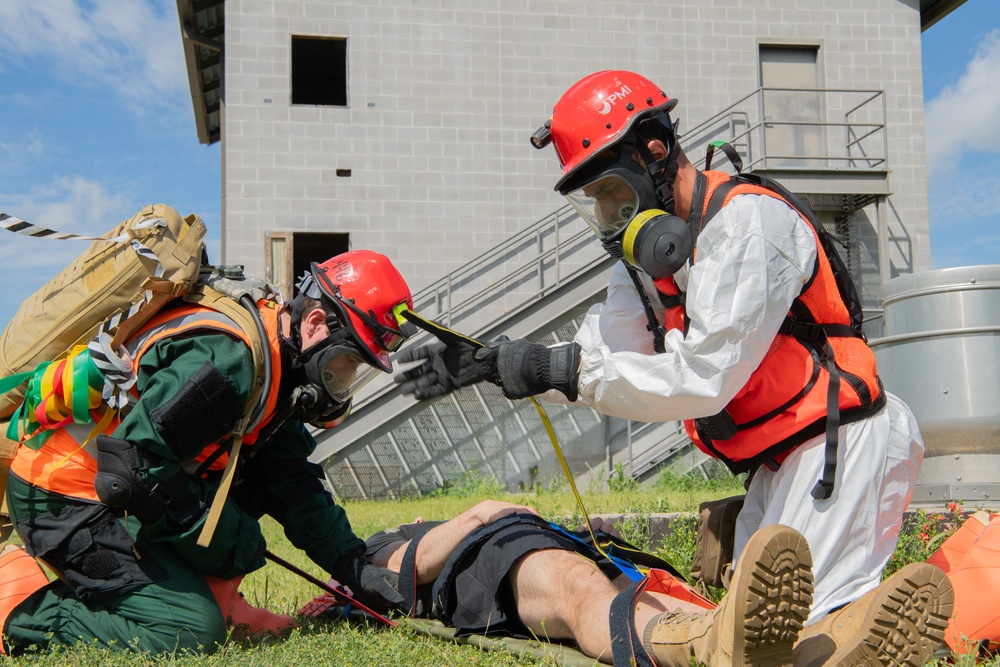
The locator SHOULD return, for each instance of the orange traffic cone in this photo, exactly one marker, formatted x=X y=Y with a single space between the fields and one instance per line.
x=952 y=550
x=976 y=580
x=245 y=620
x=20 y=576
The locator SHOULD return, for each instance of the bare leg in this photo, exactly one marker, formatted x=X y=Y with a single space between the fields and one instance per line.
x=562 y=595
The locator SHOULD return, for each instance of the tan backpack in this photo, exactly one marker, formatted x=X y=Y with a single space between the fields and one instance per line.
x=136 y=267
x=712 y=563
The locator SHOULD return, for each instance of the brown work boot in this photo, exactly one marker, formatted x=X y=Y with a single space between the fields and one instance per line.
x=20 y=576
x=759 y=619
x=900 y=623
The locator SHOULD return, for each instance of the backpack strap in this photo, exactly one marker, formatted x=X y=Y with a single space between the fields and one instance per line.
x=247 y=317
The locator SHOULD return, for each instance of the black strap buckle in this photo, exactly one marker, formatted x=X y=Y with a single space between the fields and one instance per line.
x=803 y=330
x=822 y=490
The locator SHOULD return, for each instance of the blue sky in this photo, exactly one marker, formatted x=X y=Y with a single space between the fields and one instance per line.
x=96 y=120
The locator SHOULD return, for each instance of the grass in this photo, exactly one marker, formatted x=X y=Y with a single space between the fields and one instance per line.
x=327 y=643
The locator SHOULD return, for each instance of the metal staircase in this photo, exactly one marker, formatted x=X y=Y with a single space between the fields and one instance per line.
x=538 y=285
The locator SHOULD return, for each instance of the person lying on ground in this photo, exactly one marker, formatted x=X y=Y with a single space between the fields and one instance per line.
x=499 y=569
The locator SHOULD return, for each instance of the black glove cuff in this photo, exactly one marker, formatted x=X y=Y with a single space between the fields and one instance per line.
x=349 y=565
x=526 y=369
x=563 y=369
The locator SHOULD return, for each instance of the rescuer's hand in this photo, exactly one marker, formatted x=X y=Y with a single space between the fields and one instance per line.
x=375 y=586
x=445 y=368
x=525 y=369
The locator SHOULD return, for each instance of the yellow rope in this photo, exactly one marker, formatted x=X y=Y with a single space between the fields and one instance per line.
x=447 y=334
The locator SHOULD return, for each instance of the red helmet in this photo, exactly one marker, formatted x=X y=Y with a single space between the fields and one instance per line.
x=597 y=112
x=364 y=291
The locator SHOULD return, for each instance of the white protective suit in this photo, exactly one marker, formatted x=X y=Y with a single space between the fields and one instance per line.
x=753 y=259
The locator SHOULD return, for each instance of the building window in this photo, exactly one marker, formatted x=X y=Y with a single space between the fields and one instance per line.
x=319 y=71
x=287 y=255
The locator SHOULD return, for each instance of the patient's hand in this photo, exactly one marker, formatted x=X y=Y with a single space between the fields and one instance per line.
x=603 y=525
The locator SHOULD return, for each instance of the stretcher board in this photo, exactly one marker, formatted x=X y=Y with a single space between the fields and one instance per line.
x=560 y=654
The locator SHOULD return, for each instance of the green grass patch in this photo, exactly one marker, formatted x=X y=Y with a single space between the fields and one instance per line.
x=324 y=643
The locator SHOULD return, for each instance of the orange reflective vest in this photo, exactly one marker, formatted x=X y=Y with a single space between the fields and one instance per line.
x=66 y=464
x=786 y=400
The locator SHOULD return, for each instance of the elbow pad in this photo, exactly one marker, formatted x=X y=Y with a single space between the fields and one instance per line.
x=119 y=483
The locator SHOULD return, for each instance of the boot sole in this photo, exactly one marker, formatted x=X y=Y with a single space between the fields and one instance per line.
x=905 y=624
x=774 y=599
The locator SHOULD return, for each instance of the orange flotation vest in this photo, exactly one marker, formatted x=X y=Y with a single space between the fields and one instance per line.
x=818 y=373
x=66 y=463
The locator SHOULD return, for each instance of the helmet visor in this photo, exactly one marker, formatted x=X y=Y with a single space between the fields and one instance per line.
x=391 y=339
x=345 y=373
x=607 y=203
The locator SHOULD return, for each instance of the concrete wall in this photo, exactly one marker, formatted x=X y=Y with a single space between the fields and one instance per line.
x=444 y=94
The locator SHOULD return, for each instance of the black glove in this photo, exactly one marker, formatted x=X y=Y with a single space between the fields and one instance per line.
x=445 y=368
x=524 y=369
x=375 y=586
x=519 y=368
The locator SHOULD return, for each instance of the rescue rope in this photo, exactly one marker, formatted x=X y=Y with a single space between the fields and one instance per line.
x=326 y=587
x=447 y=335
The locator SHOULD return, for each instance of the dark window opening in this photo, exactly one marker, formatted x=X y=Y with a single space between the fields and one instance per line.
x=315 y=247
x=319 y=71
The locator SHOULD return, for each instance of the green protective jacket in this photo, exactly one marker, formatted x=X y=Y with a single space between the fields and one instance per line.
x=272 y=479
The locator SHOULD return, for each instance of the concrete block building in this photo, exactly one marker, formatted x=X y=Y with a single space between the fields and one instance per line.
x=402 y=126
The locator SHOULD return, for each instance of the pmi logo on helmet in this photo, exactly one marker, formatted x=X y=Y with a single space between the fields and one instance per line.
x=613 y=99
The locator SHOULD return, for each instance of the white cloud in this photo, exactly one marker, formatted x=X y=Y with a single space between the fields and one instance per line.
x=965 y=214
x=31 y=145
x=964 y=115
x=131 y=48
x=75 y=205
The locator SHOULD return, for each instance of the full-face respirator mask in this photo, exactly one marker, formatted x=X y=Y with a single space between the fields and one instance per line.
x=622 y=208
x=327 y=376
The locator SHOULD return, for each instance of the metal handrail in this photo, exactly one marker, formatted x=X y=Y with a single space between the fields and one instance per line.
x=749 y=112
x=438 y=297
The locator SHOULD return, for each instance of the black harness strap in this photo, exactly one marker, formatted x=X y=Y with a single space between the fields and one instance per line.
x=626 y=647
x=408 y=577
x=819 y=333
x=652 y=323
